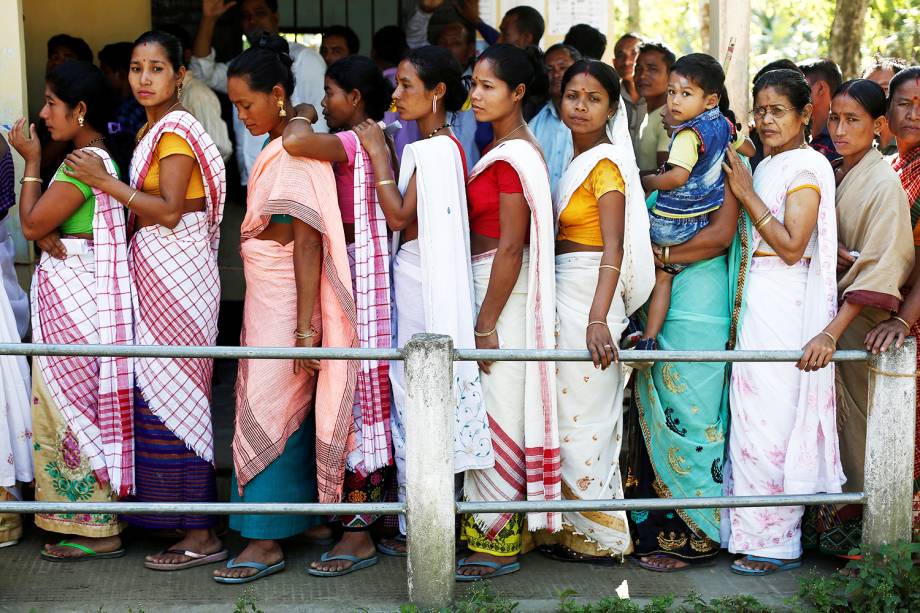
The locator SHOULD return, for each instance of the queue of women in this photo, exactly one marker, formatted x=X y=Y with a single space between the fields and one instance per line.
x=344 y=246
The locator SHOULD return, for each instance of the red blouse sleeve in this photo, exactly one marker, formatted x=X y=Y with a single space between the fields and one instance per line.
x=508 y=180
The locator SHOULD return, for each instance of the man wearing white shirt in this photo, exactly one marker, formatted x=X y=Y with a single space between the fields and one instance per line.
x=257 y=16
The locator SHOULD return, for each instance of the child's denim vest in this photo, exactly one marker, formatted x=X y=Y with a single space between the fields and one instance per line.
x=704 y=191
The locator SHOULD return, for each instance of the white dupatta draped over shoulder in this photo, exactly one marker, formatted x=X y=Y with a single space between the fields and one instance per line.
x=447 y=283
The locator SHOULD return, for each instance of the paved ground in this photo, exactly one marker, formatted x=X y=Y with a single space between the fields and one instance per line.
x=28 y=583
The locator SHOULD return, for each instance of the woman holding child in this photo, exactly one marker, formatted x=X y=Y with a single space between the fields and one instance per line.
x=678 y=427
x=784 y=426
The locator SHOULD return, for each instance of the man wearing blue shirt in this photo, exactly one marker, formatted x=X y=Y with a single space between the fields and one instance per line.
x=553 y=135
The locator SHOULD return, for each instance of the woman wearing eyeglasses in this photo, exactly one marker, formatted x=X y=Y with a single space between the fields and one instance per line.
x=783 y=416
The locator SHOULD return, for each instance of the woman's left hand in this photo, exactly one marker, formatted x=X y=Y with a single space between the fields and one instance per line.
x=601 y=345
x=817 y=353
x=737 y=175
x=308 y=366
x=86 y=167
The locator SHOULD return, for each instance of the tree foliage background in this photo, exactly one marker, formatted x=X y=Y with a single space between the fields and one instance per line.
x=794 y=29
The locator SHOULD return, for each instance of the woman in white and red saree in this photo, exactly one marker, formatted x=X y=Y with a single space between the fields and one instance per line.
x=175 y=197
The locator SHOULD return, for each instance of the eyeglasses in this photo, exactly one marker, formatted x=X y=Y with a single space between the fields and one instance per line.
x=776 y=111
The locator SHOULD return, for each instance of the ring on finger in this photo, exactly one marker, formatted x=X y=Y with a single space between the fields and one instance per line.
x=608 y=346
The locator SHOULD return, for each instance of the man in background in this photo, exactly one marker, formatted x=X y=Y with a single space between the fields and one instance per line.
x=338 y=42
x=256 y=17
x=825 y=77
x=625 y=54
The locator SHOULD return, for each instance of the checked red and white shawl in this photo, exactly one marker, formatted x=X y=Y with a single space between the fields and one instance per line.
x=177 y=290
x=372 y=300
x=86 y=299
x=908 y=169
x=542 y=469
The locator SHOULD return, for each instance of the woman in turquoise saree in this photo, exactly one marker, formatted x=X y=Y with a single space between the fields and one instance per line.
x=679 y=411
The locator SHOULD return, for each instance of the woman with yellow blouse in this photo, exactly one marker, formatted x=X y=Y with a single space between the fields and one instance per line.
x=604 y=272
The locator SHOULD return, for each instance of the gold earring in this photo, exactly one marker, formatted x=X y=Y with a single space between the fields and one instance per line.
x=434 y=104
x=281 y=112
x=80 y=120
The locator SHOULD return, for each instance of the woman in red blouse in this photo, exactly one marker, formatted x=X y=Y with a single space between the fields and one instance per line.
x=511 y=233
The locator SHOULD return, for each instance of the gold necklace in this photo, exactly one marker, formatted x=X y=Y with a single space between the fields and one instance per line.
x=523 y=125
x=145 y=129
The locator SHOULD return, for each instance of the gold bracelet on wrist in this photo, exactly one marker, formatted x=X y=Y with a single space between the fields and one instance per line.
x=128 y=203
x=30 y=180
x=763 y=220
x=829 y=335
x=666 y=255
x=903 y=321
x=597 y=322
x=302 y=118
x=479 y=334
x=386 y=182
x=610 y=266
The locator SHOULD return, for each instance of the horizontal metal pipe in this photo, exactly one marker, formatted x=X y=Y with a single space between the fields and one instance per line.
x=649 y=504
x=204 y=508
x=334 y=353
x=398 y=508
x=571 y=355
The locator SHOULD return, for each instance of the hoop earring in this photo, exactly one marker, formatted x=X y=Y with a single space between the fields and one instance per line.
x=434 y=104
x=80 y=120
x=281 y=112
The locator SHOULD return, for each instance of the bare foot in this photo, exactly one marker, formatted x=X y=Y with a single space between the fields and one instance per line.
x=748 y=563
x=663 y=562
x=265 y=552
x=483 y=571
x=198 y=541
x=106 y=544
x=358 y=544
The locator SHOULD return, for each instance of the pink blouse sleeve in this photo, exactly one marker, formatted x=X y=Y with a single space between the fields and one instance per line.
x=350 y=142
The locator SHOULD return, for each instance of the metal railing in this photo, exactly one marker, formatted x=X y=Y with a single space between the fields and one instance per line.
x=430 y=506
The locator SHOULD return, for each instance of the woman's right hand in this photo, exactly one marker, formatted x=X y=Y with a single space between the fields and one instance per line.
x=737 y=175
x=600 y=344
x=844 y=259
x=29 y=148
x=53 y=246
x=308 y=366
x=880 y=338
x=487 y=342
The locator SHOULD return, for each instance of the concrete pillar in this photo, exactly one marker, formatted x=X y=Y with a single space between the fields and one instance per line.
x=731 y=19
x=430 y=469
x=889 y=466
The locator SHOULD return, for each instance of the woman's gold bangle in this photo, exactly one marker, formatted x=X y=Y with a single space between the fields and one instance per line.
x=30 y=180
x=666 y=255
x=302 y=118
x=300 y=334
x=763 y=220
x=829 y=335
x=906 y=325
x=479 y=334
x=128 y=203
x=592 y=323
x=386 y=182
x=610 y=266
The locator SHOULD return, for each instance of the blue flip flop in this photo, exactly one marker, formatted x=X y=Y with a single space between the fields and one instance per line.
x=356 y=564
x=500 y=569
x=779 y=566
x=392 y=551
x=264 y=571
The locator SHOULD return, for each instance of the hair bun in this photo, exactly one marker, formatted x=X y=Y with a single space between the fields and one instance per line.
x=278 y=45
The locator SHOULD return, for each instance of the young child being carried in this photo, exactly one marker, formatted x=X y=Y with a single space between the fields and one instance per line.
x=692 y=184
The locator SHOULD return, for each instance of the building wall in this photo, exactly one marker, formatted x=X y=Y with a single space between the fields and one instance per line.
x=98 y=22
